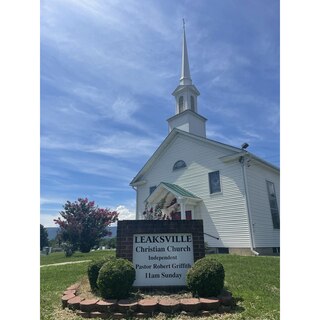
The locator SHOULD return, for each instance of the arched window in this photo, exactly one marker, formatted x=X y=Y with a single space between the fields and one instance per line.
x=181 y=104
x=192 y=103
x=179 y=164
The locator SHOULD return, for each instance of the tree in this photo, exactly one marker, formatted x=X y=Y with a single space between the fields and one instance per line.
x=84 y=224
x=44 y=242
x=109 y=243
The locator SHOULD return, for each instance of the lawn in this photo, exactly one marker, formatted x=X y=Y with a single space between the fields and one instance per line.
x=253 y=281
x=59 y=257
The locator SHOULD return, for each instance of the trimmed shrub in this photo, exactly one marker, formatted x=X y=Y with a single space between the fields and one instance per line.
x=116 y=278
x=206 y=277
x=93 y=271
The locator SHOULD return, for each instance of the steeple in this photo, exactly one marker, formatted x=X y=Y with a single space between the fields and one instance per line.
x=186 y=116
x=185 y=70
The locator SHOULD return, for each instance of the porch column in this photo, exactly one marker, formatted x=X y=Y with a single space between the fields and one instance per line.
x=182 y=208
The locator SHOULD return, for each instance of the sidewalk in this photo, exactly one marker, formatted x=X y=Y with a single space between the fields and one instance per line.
x=63 y=263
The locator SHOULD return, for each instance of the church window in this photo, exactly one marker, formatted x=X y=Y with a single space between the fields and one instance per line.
x=179 y=164
x=181 y=104
x=273 y=205
x=151 y=189
x=192 y=103
x=214 y=182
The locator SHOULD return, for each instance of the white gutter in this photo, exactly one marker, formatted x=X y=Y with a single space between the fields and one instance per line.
x=135 y=189
x=242 y=160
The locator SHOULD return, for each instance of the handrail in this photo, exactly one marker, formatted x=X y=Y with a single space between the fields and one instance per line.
x=211 y=236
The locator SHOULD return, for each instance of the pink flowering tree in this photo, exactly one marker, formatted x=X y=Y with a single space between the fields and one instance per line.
x=84 y=224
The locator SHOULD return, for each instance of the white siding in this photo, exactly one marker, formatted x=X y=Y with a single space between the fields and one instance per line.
x=264 y=233
x=224 y=214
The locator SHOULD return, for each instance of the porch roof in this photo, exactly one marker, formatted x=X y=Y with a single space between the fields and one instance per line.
x=178 y=192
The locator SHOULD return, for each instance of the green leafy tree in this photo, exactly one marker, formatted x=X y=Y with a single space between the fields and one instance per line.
x=84 y=224
x=44 y=242
x=110 y=243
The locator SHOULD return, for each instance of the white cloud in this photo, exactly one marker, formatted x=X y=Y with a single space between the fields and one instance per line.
x=216 y=133
x=46 y=219
x=100 y=167
x=123 y=144
x=127 y=145
x=125 y=213
x=47 y=200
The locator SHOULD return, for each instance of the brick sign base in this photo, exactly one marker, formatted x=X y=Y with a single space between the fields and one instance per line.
x=127 y=229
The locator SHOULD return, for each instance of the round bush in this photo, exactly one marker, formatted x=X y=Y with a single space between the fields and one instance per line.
x=116 y=278
x=206 y=277
x=93 y=271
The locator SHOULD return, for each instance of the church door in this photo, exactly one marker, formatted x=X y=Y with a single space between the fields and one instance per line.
x=177 y=215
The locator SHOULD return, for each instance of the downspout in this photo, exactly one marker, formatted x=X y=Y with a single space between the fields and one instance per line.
x=242 y=160
x=135 y=189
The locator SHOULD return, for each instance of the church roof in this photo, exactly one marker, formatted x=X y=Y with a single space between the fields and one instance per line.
x=186 y=112
x=234 y=152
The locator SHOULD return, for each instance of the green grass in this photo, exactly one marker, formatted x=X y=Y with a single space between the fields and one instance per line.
x=253 y=281
x=59 y=257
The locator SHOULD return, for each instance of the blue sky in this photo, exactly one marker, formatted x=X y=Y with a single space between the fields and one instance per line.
x=108 y=69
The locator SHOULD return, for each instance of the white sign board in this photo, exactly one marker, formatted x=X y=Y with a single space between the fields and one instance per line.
x=162 y=259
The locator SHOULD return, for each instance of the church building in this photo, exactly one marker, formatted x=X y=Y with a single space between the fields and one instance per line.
x=189 y=176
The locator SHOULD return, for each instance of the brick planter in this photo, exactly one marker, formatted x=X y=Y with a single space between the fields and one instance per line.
x=100 y=315
x=88 y=305
x=126 y=306
x=209 y=303
x=65 y=299
x=104 y=308
x=148 y=305
x=106 y=305
x=190 y=305
x=74 y=303
x=168 y=305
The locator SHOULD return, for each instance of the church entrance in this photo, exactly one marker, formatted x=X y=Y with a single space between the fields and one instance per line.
x=169 y=201
x=177 y=215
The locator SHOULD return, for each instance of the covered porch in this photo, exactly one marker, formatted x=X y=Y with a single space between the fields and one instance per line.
x=171 y=202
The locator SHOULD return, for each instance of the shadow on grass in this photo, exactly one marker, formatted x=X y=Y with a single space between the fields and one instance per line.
x=236 y=308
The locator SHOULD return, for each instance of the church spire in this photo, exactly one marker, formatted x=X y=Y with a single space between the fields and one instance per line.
x=185 y=70
x=186 y=117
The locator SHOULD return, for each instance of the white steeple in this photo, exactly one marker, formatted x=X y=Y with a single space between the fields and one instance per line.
x=186 y=116
x=185 y=70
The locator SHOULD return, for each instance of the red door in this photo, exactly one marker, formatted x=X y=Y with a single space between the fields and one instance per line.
x=177 y=215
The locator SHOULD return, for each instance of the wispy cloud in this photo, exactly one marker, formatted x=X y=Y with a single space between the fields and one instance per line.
x=101 y=168
x=45 y=201
x=123 y=145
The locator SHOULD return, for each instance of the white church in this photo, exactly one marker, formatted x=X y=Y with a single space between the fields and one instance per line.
x=234 y=192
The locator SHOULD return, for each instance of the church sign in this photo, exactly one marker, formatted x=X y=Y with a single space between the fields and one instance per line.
x=162 y=251
x=162 y=259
